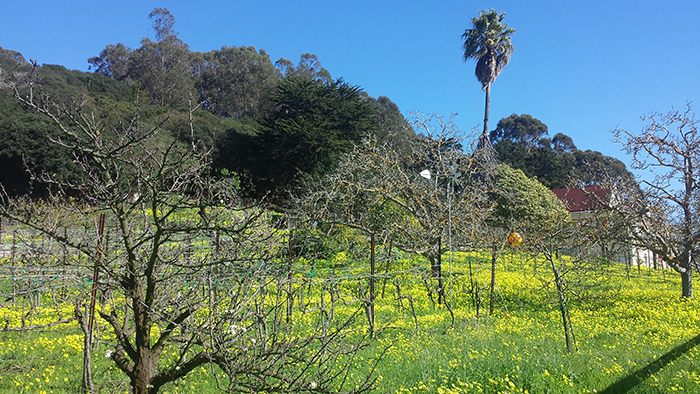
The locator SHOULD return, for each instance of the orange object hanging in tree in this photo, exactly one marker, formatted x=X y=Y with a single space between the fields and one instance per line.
x=515 y=239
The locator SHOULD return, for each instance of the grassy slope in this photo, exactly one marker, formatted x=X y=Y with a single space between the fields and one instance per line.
x=630 y=324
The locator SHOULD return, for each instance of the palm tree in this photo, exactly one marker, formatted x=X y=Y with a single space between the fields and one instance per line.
x=488 y=41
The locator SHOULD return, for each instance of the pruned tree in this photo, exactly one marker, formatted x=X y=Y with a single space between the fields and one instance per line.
x=667 y=215
x=194 y=276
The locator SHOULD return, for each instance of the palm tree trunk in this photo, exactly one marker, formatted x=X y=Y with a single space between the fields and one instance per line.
x=486 y=110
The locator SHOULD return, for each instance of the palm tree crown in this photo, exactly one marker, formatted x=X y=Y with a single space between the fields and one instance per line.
x=488 y=41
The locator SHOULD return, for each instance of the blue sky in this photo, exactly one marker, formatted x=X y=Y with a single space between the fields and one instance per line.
x=581 y=67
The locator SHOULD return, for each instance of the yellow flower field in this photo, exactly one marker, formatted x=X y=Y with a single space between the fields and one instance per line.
x=621 y=326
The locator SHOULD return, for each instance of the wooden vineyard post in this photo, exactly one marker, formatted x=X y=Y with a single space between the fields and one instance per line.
x=95 y=275
x=370 y=308
x=386 y=270
x=290 y=300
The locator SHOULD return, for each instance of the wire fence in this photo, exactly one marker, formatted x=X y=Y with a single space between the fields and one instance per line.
x=37 y=272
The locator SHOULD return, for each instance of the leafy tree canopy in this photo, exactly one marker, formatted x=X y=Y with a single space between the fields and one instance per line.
x=313 y=124
x=237 y=82
x=522 y=142
x=523 y=129
x=300 y=118
x=524 y=203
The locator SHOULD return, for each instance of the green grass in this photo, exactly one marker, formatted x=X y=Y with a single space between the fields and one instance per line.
x=624 y=325
x=641 y=320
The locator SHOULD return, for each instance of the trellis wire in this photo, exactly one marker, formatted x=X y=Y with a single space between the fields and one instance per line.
x=38 y=265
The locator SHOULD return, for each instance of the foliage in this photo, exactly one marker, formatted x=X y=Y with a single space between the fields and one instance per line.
x=522 y=142
x=237 y=82
x=488 y=41
x=301 y=119
x=313 y=124
x=391 y=125
x=524 y=204
x=523 y=130
x=164 y=71
x=27 y=154
x=309 y=69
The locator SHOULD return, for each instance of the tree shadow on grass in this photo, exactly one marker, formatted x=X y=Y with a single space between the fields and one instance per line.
x=635 y=378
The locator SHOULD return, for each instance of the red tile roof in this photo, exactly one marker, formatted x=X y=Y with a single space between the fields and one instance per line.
x=587 y=198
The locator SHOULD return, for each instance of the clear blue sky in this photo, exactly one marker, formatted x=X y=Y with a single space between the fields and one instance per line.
x=581 y=67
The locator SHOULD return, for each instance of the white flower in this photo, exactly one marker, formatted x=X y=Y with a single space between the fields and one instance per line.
x=109 y=353
x=312 y=385
x=235 y=329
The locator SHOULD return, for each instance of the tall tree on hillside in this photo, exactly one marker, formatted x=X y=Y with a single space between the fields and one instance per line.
x=237 y=82
x=163 y=69
x=163 y=22
x=313 y=125
x=113 y=62
x=309 y=68
x=488 y=41
x=392 y=125
x=668 y=147
x=522 y=129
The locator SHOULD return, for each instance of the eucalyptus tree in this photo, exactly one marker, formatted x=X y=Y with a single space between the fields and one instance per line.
x=113 y=62
x=488 y=40
x=163 y=68
x=237 y=82
x=308 y=68
x=523 y=129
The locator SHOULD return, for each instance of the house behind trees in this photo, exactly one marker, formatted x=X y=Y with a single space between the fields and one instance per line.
x=592 y=207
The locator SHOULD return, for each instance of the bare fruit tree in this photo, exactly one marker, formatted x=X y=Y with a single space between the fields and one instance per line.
x=667 y=214
x=191 y=275
x=426 y=199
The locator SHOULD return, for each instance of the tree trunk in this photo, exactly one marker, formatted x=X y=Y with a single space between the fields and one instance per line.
x=687 y=283
x=494 y=257
x=144 y=370
x=435 y=259
x=486 y=109
x=565 y=317
x=146 y=362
